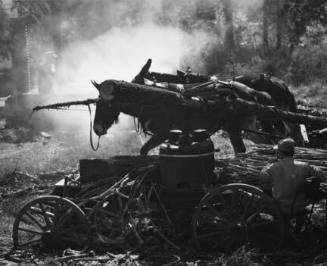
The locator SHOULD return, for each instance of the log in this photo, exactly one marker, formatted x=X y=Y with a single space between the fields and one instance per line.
x=126 y=92
x=272 y=113
x=92 y=170
x=189 y=77
x=312 y=110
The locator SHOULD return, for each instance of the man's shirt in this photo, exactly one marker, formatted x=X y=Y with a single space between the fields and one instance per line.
x=285 y=177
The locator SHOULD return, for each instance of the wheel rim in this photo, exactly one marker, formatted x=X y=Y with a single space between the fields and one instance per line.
x=236 y=215
x=51 y=222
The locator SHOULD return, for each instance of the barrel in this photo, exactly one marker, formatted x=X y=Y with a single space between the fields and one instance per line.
x=187 y=161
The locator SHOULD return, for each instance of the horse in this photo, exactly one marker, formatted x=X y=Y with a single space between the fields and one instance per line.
x=277 y=88
x=269 y=90
x=158 y=119
x=167 y=81
x=282 y=97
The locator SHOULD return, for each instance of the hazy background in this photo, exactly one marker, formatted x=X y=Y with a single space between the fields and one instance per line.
x=55 y=47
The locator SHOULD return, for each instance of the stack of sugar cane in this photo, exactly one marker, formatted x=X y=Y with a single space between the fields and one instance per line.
x=312 y=110
x=245 y=168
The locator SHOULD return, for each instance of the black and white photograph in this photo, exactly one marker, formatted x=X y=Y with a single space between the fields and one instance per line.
x=163 y=132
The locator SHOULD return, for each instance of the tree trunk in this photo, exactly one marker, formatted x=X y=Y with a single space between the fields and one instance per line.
x=272 y=113
x=19 y=64
x=279 y=24
x=229 y=33
x=265 y=44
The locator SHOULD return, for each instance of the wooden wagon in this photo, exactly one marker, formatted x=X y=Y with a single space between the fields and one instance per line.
x=125 y=199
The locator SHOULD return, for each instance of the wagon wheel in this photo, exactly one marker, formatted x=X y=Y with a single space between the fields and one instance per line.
x=234 y=215
x=315 y=216
x=51 y=222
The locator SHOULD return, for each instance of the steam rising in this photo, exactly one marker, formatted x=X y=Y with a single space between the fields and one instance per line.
x=121 y=52
x=123 y=36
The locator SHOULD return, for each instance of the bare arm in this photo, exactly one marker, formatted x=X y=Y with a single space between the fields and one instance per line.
x=265 y=178
x=317 y=173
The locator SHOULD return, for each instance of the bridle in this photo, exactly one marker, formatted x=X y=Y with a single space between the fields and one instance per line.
x=94 y=147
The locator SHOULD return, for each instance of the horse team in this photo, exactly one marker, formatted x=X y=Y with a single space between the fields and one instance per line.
x=158 y=120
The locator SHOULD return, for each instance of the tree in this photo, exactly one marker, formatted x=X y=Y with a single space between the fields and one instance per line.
x=265 y=12
x=29 y=12
x=229 y=33
x=5 y=43
x=303 y=14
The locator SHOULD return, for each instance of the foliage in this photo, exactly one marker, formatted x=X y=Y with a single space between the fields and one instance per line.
x=303 y=14
x=5 y=40
x=240 y=257
x=260 y=35
x=308 y=64
x=31 y=10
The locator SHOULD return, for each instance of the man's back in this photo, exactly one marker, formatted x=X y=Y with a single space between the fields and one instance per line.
x=286 y=176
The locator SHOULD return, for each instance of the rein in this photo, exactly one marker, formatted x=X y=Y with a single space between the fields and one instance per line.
x=95 y=148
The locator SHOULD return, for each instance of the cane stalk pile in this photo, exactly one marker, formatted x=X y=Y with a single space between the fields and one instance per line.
x=245 y=168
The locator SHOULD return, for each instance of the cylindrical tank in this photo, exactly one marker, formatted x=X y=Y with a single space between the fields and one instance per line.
x=187 y=161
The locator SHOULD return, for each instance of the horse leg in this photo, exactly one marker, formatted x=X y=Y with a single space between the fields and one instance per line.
x=236 y=140
x=153 y=142
x=281 y=127
x=251 y=124
x=268 y=128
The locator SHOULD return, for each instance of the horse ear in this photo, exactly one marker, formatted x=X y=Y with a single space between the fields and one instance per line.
x=143 y=73
x=95 y=84
x=145 y=69
x=180 y=73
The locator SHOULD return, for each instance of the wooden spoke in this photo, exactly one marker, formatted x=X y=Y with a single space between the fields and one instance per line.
x=33 y=219
x=39 y=211
x=30 y=231
x=45 y=215
x=247 y=207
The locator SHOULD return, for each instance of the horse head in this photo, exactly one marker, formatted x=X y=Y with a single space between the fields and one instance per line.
x=106 y=112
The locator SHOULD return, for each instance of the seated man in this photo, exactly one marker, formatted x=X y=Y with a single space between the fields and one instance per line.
x=286 y=176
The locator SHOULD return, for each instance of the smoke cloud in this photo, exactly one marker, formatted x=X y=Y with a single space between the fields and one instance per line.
x=121 y=52
x=112 y=40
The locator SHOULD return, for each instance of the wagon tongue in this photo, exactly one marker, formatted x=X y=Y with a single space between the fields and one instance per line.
x=65 y=104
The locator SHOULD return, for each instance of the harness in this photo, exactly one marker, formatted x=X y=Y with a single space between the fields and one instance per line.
x=139 y=125
x=95 y=148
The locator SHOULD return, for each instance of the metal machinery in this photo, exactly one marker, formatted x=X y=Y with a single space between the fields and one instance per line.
x=168 y=196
